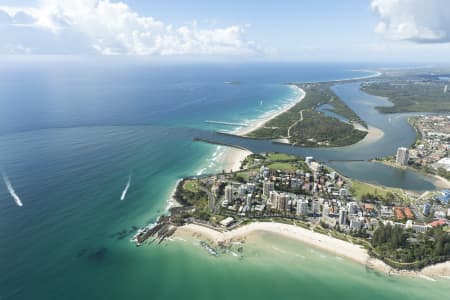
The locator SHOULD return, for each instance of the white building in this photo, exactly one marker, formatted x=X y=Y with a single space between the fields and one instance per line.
x=249 y=200
x=420 y=228
x=308 y=160
x=355 y=224
x=227 y=222
x=302 y=207
x=282 y=201
x=315 y=208
x=402 y=156
x=268 y=186
x=315 y=166
x=443 y=163
x=333 y=175
x=229 y=194
x=251 y=187
x=265 y=172
x=343 y=192
x=242 y=191
x=273 y=199
x=325 y=210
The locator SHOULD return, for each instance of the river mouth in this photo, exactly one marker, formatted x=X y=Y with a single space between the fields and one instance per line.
x=389 y=131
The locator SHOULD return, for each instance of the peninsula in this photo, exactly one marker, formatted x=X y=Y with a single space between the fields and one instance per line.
x=320 y=119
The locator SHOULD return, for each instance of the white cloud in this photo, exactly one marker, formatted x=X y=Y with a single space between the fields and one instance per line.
x=113 y=28
x=421 y=21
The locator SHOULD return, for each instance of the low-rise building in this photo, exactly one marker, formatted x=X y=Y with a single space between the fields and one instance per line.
x=227 y=222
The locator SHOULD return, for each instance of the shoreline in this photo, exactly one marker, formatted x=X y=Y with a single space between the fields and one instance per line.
x=373 y=134
x=335 y=246
x=438 y=181
x=231 y=158
x=257 y=123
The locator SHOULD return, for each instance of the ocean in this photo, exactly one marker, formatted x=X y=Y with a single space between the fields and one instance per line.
x=74 y=135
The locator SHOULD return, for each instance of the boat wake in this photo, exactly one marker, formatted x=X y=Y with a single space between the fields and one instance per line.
x=11 y=190
x=125 y=190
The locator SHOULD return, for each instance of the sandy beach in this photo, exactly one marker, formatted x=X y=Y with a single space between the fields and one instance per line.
x=373 y=134
x=329 y=244
x=232 y=158
x=269 y=116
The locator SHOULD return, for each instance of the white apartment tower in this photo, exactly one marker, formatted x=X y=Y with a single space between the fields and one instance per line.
x=282 y=201
x=268 y=186
x=302 y=207
x=229 y=194
x=402 y=156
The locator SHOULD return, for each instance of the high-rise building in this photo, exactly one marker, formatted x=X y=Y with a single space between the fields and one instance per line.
x=355 y=224
x=426 y=209
x=242 y=191
x=273 y=199
x=229 y=194
x=352 y=208
x=212 y=201
x=302 y=207
x=282 y=201
x=315 y=208
x=249 y=200
x=326 y=210
x=402 y=156
x=251 y=187
x=343 y=217
x=265 y=172
x=268 y=186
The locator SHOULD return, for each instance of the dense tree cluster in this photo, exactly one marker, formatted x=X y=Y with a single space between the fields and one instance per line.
x=315 y=128
x=403 y=246
x=411 y=95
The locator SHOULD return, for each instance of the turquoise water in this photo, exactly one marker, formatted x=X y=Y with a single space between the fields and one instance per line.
x=352 y=160
x=72 y=137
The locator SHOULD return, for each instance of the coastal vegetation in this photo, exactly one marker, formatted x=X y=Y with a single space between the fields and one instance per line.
x=401 y=248
x=367 y=192
x=411 y=95
x=304 y=125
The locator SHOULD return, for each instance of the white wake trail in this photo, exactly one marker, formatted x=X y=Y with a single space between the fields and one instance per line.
x=11 y=190
x=125 y=190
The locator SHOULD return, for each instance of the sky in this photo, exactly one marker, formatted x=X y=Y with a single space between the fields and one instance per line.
x=265 y=30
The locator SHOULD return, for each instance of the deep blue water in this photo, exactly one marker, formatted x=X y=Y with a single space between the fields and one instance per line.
x=71 y=134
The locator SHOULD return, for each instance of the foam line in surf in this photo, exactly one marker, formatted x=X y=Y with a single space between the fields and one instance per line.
x=125 y=190
x=11 y=190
